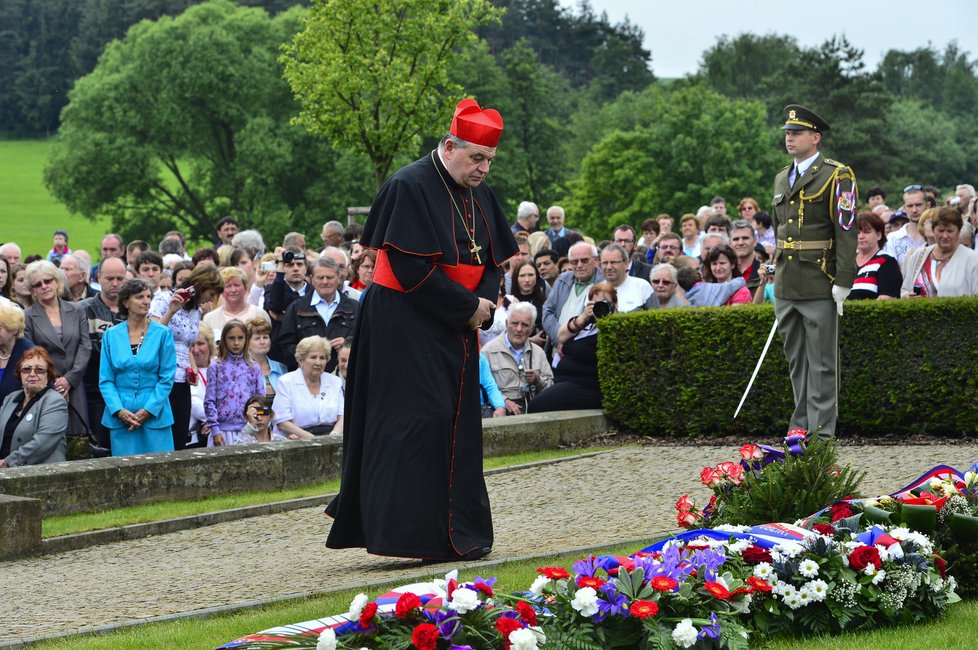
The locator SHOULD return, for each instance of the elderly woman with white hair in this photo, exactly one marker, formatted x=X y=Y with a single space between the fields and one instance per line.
x=61 y=328
x=665 y=282
x=309 y=401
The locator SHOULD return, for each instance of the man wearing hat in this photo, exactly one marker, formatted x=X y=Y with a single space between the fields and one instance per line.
x=814 y=209
x=412 y=483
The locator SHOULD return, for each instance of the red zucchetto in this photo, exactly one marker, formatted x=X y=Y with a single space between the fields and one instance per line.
x=476 y=125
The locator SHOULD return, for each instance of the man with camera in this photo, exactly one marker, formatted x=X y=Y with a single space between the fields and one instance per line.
x=289 y=284
x=323 y=312
x=519 y=366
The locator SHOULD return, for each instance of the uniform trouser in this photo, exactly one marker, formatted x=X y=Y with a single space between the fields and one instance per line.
x=810 y=332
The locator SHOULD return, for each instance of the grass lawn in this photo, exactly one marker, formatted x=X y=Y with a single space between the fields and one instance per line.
x=28 y=213
x=947 y=634
x=77 y=523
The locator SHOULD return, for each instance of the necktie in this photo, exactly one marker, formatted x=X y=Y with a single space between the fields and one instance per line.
x=793 y=175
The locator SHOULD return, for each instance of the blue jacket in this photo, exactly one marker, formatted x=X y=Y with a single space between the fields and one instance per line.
x=137 y=382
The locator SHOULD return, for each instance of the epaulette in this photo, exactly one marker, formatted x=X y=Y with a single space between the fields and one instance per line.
x=834 y=163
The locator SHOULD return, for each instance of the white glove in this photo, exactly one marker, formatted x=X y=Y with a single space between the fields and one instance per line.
x=839 y=295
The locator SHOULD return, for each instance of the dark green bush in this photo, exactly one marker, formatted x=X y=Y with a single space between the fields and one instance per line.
x=908 y=366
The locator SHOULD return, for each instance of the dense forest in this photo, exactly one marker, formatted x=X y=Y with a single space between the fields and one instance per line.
x=588 y=123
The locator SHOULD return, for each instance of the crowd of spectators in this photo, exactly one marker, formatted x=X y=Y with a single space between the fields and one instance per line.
x=158 y=348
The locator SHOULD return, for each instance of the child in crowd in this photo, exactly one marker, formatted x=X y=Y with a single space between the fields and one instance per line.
x=231 y=380
x=59 y=247
x=258 y=427
x=342 y=361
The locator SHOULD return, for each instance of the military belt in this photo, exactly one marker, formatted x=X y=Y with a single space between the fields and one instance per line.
x=811 y=245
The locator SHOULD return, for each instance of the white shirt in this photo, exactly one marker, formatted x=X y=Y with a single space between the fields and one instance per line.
x=324 y=308
x=632 y=294
x=801 y=168
x=293 y=401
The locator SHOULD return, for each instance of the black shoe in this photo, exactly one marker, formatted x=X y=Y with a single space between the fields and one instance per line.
x=477 y=554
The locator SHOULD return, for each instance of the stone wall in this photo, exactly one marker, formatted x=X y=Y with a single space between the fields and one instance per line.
x=105 y=483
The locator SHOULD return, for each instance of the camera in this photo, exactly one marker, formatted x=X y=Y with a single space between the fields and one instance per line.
x=187 y=293
x=288 y=257
x=268 y=266
x=601 y=308
x=770 y=268
x=259 y=410
x=529 y=390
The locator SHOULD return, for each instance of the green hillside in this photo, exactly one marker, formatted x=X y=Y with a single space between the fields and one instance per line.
x=28 y=213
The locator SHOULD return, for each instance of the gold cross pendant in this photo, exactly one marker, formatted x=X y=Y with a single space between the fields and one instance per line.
x=474 y=249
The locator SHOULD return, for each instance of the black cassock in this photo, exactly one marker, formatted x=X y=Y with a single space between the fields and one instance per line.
x=412 y=483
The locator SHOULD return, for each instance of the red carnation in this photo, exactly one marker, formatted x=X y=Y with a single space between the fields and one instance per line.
x=526 y=612
x=663 y=583
x=589 y=581
x=367 y=615
x=941 y=565
x=425 y=637
x=406 y=605
x=554 y=572
x=863 y=556
x=643 y=609
x=754 y=555
x=758 y=584
x=824 y=529
x=719 y=591
x=507 y=626
x=484 y=588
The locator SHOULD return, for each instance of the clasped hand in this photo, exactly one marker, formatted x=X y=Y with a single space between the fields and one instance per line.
x=133 y=420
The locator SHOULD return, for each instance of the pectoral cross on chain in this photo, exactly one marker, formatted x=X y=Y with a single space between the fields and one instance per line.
x=474 y=249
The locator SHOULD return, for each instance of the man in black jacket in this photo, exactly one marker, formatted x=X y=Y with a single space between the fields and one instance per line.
x=324 y=312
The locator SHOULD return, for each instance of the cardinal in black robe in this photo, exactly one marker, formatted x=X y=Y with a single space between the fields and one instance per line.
x=412 y=482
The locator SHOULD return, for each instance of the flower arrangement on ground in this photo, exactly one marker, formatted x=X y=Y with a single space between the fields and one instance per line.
x=842 y=579
x=764 y=485
x=942 y=503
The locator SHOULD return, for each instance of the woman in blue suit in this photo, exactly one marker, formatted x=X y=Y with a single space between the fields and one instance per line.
x=136 y=375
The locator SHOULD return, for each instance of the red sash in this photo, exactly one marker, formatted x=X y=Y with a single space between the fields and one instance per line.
x=467 y=275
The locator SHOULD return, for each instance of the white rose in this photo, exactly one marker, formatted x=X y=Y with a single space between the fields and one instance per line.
x=464 y=600
x=585 y=601
x=356 y=606
x=327 y=640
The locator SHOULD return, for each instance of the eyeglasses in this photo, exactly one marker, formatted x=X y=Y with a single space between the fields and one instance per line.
x=624 y=241
x=665 y=282
x=33 y=370
x=913 y=188
x=45 y=282
x=668 y=247
x=612 y=262
x=580 y=262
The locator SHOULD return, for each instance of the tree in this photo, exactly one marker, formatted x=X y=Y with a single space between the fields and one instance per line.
x=737 y=66
x=693 y=145
x=372 y=74
x=187 y=120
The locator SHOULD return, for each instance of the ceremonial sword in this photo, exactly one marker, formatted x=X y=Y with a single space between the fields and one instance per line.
x=757 y=368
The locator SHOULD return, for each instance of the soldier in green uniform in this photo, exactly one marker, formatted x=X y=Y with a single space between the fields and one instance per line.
x=813 y=213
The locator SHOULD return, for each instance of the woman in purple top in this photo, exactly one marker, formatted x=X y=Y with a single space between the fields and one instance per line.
x=230 y=382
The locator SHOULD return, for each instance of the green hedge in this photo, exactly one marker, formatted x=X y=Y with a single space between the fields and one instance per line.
x=908 y=366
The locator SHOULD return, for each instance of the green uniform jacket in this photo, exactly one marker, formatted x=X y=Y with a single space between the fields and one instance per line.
x=806 y=271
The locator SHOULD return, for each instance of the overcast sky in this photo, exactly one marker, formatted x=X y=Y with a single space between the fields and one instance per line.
x=678 y=33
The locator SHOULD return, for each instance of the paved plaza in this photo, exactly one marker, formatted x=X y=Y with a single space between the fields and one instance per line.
x=625 y=494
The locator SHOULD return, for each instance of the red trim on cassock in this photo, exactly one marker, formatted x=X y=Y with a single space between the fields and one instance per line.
x=467 y=275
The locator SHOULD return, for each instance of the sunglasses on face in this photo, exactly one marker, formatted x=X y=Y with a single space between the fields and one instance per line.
x=45 y=282
x=33 y=370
